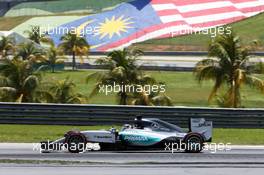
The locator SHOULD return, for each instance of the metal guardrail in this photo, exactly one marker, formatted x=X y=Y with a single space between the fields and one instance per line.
x=146 y=68
x=63 y=114
x=175 y=53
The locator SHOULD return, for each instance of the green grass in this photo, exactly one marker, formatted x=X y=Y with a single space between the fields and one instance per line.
x=239 y=136
x=81 y=86
x=180 y=86
x=37 y=133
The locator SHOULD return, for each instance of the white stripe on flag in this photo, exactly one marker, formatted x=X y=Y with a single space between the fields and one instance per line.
x=171 y=18
x=248 y=4
x=251 y=14
x=214 y=17
x=159 y=7
x=204 y=6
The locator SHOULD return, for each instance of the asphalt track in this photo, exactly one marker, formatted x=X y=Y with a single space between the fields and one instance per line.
x=126 y=170
x=165 y=61
x=239 y=160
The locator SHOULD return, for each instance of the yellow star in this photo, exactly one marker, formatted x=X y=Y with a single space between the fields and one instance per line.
x=114 y=26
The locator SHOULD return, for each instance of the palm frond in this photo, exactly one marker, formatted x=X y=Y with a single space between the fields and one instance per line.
x=95 y=76
x=31 y=83
x=255 y=82
x=162 y=100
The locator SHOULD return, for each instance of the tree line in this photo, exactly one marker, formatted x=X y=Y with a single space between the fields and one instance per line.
x=21 y=82
x=228 y=66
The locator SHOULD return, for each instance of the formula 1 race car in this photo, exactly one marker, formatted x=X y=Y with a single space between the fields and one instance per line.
x=143 y=133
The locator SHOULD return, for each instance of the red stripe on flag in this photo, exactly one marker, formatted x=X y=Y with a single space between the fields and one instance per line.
x=252 y=9
x=168 y=12
x=241 y=1
x=222 y=21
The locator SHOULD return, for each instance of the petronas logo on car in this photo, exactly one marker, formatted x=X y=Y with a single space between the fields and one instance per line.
x=135 y=138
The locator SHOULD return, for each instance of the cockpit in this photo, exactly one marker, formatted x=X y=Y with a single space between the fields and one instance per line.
x=154 y=124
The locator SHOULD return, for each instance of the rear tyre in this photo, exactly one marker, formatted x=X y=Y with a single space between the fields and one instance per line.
x=76 y=143
x=193 y=143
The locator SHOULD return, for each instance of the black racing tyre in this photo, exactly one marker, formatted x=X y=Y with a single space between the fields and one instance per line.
x=76 y=143
x=193 y=143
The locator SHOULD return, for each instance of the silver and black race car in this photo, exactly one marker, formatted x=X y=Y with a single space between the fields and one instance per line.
x=143 y=133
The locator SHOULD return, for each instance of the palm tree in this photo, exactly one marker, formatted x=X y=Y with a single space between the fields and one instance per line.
x=74 y=45
x=153 y=99
x=18 y=81
x=227 y=65
x=6 y=45
x=122 y=71
x=28 y=51
x=63 y=92
x=53 y=56
x=34 y=34
x=149 y=96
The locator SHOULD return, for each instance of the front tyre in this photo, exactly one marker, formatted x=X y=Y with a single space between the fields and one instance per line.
x=76 y=143
x=193 y=143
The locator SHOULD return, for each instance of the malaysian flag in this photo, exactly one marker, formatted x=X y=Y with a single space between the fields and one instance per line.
x=141 y=20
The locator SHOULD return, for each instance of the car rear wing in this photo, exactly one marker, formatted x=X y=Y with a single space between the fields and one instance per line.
x=201 y=126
